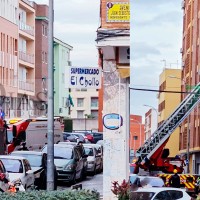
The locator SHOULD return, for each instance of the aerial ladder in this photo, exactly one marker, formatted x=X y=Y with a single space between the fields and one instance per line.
x=152 y=156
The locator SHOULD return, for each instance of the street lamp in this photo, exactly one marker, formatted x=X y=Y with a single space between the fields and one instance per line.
x=188 y=127
x=140 y=129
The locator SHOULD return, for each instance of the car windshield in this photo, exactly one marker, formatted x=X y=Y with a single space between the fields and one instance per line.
x=12 y=165
x=89 y=151
x=61 y=152
x=142 y=195
x=34 y=160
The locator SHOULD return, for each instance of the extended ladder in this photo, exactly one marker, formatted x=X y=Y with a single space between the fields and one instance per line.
x=169 y=125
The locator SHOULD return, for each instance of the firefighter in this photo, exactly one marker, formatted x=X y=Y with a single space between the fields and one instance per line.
x=174 y=181
x=197 y=186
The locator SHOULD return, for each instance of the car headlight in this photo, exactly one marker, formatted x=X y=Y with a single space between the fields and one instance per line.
x=91 y=162
x=69 y=167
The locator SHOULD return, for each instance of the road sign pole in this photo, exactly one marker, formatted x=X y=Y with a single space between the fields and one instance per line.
x=50 y=146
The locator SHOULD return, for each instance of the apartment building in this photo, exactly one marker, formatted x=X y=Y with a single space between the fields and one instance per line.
x=61 y=63
x=86 y=103
x=191 y=76
x=41 y=59
x=137 y=135
x=26 y=59
x=8 y=56
x=151 y=122
x=170 y=80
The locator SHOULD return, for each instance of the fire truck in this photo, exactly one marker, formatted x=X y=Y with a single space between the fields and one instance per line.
x=33 y=133
x=152 y=156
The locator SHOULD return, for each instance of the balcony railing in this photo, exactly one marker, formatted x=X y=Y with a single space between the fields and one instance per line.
x=26 y=28
x=23 y=85
x=26 y=57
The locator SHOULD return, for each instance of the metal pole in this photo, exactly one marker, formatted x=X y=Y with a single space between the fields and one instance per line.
x=50 y=146
x=188 y=143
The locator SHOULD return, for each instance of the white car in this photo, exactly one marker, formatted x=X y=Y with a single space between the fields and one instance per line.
x=18 y=168
x=93 y=159
x=162 y=193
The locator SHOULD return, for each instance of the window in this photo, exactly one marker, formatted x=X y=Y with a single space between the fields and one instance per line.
x=43 y=29
x=94 y=102
x=80 y=102
x=175 y=194
x=79 y=114
x=94 y=113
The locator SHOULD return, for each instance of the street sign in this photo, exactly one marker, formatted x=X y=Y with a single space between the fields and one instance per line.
x=84 y=77
x=112 y=121
x=118 y=12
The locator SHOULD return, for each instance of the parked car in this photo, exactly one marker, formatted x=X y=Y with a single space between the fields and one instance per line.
x=69 y=137
x=146 y=181
x=38 y=162
x=68 y=161
x=82 y=153
x=3 y=186
x=94 y=158
x=89 y=136
x=99 y=152
x=18 y=168
x=159 y=193
x=81 y=137
x=97 y=136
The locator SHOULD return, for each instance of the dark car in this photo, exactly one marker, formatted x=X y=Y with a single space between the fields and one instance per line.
x=97 y=136
x=69 y=137
x=81 y=150
x=38 y=162
x=68 y=161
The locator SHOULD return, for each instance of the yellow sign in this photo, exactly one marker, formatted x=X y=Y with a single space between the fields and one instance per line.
x=118 y=12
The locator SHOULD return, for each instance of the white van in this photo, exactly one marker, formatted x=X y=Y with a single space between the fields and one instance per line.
x=36 y=134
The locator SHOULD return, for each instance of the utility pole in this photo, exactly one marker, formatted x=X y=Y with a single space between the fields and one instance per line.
x=50 y=145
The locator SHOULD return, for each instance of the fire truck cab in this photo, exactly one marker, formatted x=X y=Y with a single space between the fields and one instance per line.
x=33 y=132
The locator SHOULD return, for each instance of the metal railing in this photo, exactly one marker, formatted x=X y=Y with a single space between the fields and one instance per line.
x=26 y=28
x=28 y=86
x=26 y=57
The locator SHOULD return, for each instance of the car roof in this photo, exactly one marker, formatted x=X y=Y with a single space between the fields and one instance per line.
x=156 y=189
x=68 y=143
x=91 y=145
x=63 y=146
x=28 y=152
x=13 y=157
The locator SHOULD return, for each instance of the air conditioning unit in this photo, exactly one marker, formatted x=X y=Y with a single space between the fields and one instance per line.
x=183 y=4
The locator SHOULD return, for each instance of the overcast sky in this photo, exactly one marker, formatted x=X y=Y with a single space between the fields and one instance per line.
x=76 y=22
x=156 y=34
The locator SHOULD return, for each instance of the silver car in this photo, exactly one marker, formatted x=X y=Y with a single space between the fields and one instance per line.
x=93 y=159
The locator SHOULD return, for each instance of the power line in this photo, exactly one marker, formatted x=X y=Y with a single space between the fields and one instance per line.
x=166 y=91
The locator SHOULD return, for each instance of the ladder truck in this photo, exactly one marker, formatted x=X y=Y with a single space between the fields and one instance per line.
x=152 y=155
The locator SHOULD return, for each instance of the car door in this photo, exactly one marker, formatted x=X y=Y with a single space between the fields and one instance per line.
x=28 y=175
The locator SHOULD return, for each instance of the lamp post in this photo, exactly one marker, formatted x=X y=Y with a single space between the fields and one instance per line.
x=140 y=124
x=188 y=128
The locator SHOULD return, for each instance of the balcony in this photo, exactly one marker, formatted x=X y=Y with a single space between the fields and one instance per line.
x=27 y=86
x=26 y=28
x=26 y=57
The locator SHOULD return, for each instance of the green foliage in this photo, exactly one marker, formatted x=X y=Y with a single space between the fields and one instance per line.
x=51 y=195
x=68 y=125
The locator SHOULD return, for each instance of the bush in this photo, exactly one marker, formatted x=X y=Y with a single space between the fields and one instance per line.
x=51 y=195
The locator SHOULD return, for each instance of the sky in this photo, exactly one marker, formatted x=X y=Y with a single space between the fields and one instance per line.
x=156 y=35
x=76 y=23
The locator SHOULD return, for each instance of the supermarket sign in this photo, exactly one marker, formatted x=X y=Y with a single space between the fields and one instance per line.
x=84 y=77
x=118 y=12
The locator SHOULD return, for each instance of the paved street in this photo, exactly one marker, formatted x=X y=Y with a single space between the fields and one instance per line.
x=91 y=182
